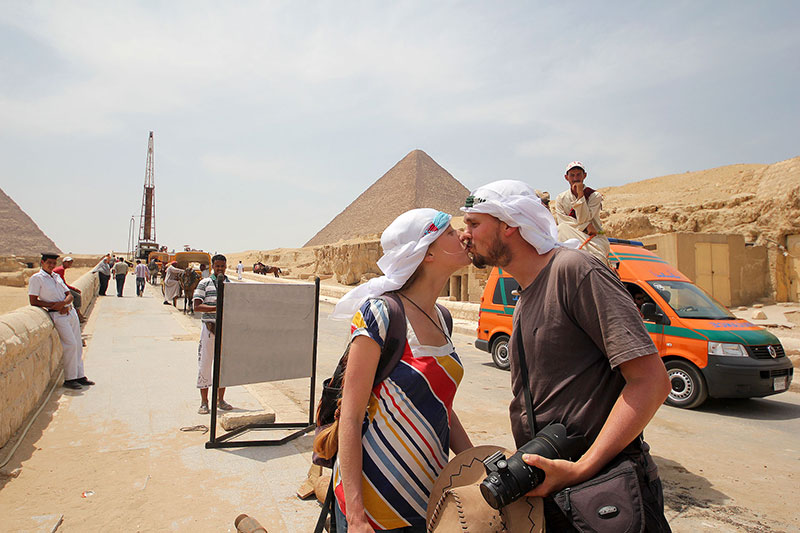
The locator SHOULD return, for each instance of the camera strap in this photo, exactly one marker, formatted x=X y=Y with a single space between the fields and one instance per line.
x=523 y=367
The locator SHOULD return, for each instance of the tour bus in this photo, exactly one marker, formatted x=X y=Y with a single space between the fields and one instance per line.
x=706 y=349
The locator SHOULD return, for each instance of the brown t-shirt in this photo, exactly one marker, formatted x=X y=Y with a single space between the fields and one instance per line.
x=578 y=323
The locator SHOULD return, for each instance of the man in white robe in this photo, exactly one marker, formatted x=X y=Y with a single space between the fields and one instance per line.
x=578 y=214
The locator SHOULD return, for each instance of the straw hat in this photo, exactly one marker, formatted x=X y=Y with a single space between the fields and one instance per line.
x=457 y=506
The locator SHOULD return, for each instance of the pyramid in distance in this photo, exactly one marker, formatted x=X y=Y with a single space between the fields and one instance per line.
x=415 y=181
x=21 y=236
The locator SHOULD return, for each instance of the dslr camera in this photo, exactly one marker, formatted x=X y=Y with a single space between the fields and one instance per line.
x=510 y=479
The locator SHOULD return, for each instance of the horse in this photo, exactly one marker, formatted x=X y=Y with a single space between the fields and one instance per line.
x=261 y=268
x=189 y=280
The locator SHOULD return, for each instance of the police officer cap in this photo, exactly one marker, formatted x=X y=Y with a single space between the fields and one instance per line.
x=48 y=255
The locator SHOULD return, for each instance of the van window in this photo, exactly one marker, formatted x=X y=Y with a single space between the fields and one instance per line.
x=640 y=297
x=689 y=301
x=502 y=292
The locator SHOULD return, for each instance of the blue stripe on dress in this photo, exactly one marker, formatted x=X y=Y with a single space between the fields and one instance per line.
x=388 y=466
x=423 y=400
x=386 y=488
x=387 y=438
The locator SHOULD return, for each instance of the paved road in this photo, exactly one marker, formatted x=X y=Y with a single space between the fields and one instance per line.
x=730 y=466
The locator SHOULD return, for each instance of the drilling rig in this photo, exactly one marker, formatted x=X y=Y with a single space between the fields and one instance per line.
x=147 y=221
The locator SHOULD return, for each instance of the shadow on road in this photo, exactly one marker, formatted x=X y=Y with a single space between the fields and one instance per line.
x=686 y=490
x=753 y=409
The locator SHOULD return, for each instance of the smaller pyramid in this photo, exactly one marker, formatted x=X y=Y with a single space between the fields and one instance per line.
x=415 y=181
x=21 y=236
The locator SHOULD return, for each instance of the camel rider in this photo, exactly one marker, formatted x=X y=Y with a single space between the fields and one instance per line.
x=172 y=283
x=578 y=214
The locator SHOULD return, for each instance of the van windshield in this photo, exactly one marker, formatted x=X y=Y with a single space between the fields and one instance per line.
x=689 y=301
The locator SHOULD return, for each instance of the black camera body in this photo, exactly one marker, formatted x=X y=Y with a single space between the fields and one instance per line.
x=510 y=479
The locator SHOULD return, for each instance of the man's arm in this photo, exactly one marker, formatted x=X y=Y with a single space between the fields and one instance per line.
x=646 y=388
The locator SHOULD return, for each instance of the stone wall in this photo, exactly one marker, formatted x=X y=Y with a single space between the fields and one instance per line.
x=30 y=358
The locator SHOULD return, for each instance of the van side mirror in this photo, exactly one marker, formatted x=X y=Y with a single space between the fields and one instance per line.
x=651 y=315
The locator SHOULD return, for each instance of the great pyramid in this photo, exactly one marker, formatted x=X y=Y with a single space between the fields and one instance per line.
x=21 y=236
x=415 y=181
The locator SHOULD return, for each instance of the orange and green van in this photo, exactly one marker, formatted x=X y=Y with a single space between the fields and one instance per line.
x=707 y=350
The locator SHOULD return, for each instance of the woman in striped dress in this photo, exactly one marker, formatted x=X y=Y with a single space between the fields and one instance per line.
x=389 y=458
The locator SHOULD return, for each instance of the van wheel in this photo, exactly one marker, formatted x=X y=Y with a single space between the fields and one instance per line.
x=500 y=352
x=688 y=387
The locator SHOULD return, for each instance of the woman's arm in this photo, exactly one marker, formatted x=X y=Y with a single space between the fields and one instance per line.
x=459 y=440
x=362 y=363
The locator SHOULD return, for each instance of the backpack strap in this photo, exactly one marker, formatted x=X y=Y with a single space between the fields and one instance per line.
x=448 y=318
x=395 y=343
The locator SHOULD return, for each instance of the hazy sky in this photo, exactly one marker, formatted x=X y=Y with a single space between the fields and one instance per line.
x=271 y=117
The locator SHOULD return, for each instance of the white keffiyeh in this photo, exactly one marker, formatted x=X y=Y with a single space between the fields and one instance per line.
x=516 y=204
x=405 y=242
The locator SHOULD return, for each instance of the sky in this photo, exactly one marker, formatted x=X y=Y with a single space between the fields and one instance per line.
x=271 y=117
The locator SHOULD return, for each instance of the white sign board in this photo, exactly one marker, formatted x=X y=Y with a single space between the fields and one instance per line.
x=267 y=332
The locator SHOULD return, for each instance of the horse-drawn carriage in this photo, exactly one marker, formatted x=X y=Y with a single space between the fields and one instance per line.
x=189 y=263
x=261 y=268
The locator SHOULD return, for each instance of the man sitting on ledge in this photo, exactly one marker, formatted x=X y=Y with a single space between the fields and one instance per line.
x=48 y=291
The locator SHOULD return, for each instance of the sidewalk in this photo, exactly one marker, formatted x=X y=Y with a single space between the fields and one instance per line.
x=121 y=439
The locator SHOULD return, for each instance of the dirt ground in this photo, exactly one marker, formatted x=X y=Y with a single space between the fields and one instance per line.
x=12 y=298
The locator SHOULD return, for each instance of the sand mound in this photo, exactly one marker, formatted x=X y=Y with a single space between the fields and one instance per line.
x=761 y=202
x=21 y=236
x=415 y=181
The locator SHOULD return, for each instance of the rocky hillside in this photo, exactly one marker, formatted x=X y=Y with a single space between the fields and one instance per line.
x=761 y=202
x=20 y=235
x=415 y=181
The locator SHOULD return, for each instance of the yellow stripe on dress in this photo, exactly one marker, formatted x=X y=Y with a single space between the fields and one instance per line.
x=402 y=440
x=358 y=320
x=379 y=509
x=453 y=369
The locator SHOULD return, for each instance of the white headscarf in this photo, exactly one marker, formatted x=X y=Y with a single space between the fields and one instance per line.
x=516 y=204
x=405 y=242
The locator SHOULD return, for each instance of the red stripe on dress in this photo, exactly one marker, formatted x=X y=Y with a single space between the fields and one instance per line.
x=413 y=426
x=440 y=381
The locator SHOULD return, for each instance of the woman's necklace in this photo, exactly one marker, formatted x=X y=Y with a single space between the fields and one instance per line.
x=446 y=336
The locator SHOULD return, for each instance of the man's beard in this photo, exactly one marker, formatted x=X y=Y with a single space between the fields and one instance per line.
x=499 y=254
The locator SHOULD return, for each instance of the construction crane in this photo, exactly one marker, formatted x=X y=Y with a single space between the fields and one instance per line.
x=147 y=221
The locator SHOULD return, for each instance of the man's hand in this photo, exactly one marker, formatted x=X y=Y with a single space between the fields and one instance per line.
x=57 y=306
x=590 y=230
x=63 y=311
x=577 y=189
x=558 y=474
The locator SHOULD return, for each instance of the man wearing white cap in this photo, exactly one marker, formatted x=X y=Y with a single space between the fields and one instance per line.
x=76 y=292
x=580 y=340
x=578 y=213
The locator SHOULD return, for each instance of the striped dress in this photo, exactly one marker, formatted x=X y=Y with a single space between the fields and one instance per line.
x=406 y=429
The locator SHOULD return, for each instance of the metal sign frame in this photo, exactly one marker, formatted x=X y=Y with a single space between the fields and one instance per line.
x=302 y=427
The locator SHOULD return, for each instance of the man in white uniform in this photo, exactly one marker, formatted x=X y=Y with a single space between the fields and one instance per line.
x=239 y=270
x=578 y=214
x=48 y=291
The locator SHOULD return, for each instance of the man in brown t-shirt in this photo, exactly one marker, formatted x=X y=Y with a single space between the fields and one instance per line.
x=591 y=363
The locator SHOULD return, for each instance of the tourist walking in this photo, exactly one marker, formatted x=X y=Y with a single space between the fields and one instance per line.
x=103 y=270
x=205 y=299
x=48 y=291
x=120 y=271
x=141 y=271
x=388 y=459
